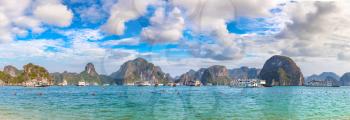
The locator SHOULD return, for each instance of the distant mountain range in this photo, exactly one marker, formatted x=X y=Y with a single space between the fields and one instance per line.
x=323 y=76
x=277 y=71
x=244 y=73
x=344 y=80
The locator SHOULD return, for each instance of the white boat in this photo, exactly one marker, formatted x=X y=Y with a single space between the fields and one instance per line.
x=142 y=83
x=81 y=83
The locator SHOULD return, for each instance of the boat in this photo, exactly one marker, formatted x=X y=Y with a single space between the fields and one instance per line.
x=41 y=85
x=322 y=83
x=142 y=83
x=196 y=83
x=35 y=84
x=81 y=83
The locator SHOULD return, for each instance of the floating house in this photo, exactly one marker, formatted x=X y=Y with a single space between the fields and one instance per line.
x=247 y=83
x=322 y=83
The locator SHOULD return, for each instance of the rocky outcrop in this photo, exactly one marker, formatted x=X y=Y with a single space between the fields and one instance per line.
x=244 y=73
x=89 y=76
x=281 y=71
x=90 y=70
x=191 y=76
x=11 y=70
x=139 y=70
x=345 y=79
x=5 y=78
x=216 y=75
x=36 y=75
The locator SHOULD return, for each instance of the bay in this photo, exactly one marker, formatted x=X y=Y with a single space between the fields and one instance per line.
x=173 y=103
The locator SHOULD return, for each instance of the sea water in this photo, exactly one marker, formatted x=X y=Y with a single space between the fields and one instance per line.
x=177 y=103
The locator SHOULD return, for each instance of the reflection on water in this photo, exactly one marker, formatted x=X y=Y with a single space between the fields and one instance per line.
x=121 y=102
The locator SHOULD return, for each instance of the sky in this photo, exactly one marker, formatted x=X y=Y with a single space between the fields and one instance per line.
x=177 y=35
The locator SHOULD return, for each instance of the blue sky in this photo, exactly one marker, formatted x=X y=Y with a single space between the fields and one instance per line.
x=177 y=35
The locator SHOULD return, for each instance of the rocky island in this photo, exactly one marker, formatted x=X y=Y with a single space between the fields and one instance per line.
x=281 y=71
x=140 y=71
x=32 y=75
x=277 y=71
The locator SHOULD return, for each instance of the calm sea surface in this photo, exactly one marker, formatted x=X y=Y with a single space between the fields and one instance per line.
x=142 y=103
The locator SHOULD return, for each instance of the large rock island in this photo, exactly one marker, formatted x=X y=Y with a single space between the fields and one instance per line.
x=140 y=71
x=31 y=75
x=281 y=71
x=345 y=79
x=35 y=75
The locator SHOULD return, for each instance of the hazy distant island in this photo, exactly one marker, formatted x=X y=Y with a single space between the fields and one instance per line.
x=277 y=71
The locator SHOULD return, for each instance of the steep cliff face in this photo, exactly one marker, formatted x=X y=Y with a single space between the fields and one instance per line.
x=216 y=75
x=345 y=79
x=11 y=70
x=139 y=70
x=90 y=70
x=90 y=76
x=244 y=73
x=281 y=71
x=34 y=74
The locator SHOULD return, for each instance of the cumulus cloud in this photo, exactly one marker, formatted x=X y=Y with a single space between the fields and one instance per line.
x=27 y=49
x=91 y=14
x=123 y=11
x=215 y=51
x=210 y=18
x=19 y=16
x=164 y=28
x=54 y=14
x=314 y=28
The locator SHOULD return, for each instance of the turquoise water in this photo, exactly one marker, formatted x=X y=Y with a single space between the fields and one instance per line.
x=142 y=103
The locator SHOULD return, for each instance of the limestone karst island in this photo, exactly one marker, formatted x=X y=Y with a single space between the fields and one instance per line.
x=174 y=59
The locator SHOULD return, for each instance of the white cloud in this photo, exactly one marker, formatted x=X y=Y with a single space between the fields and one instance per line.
x=54 y=14
x=315 y=28
x=17 y=17
x=92 y=14
x=123 y=11
x=215 y=51
x=27 y=49
x=210 y=18
x=125 y=41
x=164 y=28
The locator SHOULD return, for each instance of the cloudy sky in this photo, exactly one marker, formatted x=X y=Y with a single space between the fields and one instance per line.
x=177 y=35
